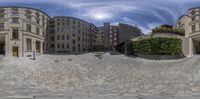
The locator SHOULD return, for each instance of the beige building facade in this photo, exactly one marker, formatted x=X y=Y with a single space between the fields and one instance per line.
x=22 y=31
x=191 y=24
x=70 y=35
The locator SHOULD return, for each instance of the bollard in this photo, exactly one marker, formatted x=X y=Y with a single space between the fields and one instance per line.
x=33 y=55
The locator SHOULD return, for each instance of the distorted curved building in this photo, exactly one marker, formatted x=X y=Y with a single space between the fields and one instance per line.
x=70 y=35
x=22 y=31
x=191 y=24
x=114 y=35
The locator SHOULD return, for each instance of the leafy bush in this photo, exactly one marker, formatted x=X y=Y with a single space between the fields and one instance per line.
x=167 y=29
x=158 y=46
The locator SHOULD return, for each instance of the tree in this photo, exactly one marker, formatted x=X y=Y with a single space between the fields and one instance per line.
x=99 y=39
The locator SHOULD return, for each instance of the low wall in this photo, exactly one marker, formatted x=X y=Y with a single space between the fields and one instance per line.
x=161 y=57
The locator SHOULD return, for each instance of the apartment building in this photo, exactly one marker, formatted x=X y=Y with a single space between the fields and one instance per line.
x=127 y=32
x=191 y=23
x=114 y=35
x=70 y=35
x=93 y=37
x=109 y=35
x=22 y=31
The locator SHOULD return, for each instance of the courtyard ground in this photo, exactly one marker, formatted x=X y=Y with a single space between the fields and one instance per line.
x=90 y=75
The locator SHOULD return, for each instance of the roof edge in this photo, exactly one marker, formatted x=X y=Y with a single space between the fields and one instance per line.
x=27 y=8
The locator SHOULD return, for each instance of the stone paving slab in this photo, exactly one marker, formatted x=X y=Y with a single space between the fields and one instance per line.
x=120 y=97
x=17 y=97
x=114 y=75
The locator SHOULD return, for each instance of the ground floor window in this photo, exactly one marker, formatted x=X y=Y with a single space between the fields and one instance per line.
x=28 y=44
x=52 y=45
x=2 y=45
x=74 y=49
x=38 y=46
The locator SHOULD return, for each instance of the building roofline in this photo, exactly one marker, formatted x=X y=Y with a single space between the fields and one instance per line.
x=71 y=17
x=193 y=8
x=27 y=8
x=182 y=16
x=130 y=25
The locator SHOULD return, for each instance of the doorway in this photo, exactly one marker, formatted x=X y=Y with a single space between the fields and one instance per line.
x=2 y=45
x=38 y=46
x=15 y=51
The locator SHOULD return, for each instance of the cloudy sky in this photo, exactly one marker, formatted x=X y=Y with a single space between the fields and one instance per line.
x=146 y=14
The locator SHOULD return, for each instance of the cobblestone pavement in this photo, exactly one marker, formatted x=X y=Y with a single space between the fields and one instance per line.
x=88 y=75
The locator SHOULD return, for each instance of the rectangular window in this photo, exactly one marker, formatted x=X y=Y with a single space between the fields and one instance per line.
x=67 y=37
x=63 y=37
x=15 y=13
x=63 y=46
x=193 y=28
x=58 y=45
x=58 y=37
x=28 y=44
x=15 y=33
x=193 y=18
x=28 y=18
x=74 y=48
x=28 y=27
x=193 y=12
x=52 y=31
x=15 y=20
x=110 y=41
x=2 y=11
x=1 y=26
x=52 y=45
x=43 y=33
x=74 y=42
x=43 y=24
x=37 y=31
x=43 y=18
x=199 y=26
x=58 y=29
x=115 y=43
x=28 y=12
x=1 y=17
x=38 y=21
x=67 y=45
x=52 y=38
x=115 y=38
x=37 y=15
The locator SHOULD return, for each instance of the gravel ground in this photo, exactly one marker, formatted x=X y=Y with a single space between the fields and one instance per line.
x=88 y=75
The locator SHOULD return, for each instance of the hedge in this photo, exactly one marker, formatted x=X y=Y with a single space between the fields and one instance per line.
x=158 y=46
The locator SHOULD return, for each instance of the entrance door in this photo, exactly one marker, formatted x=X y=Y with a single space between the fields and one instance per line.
x=38 y=47
x=2 y=45
x=15 y=51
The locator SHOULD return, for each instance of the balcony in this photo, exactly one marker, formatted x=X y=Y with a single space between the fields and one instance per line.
x=194 y=33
